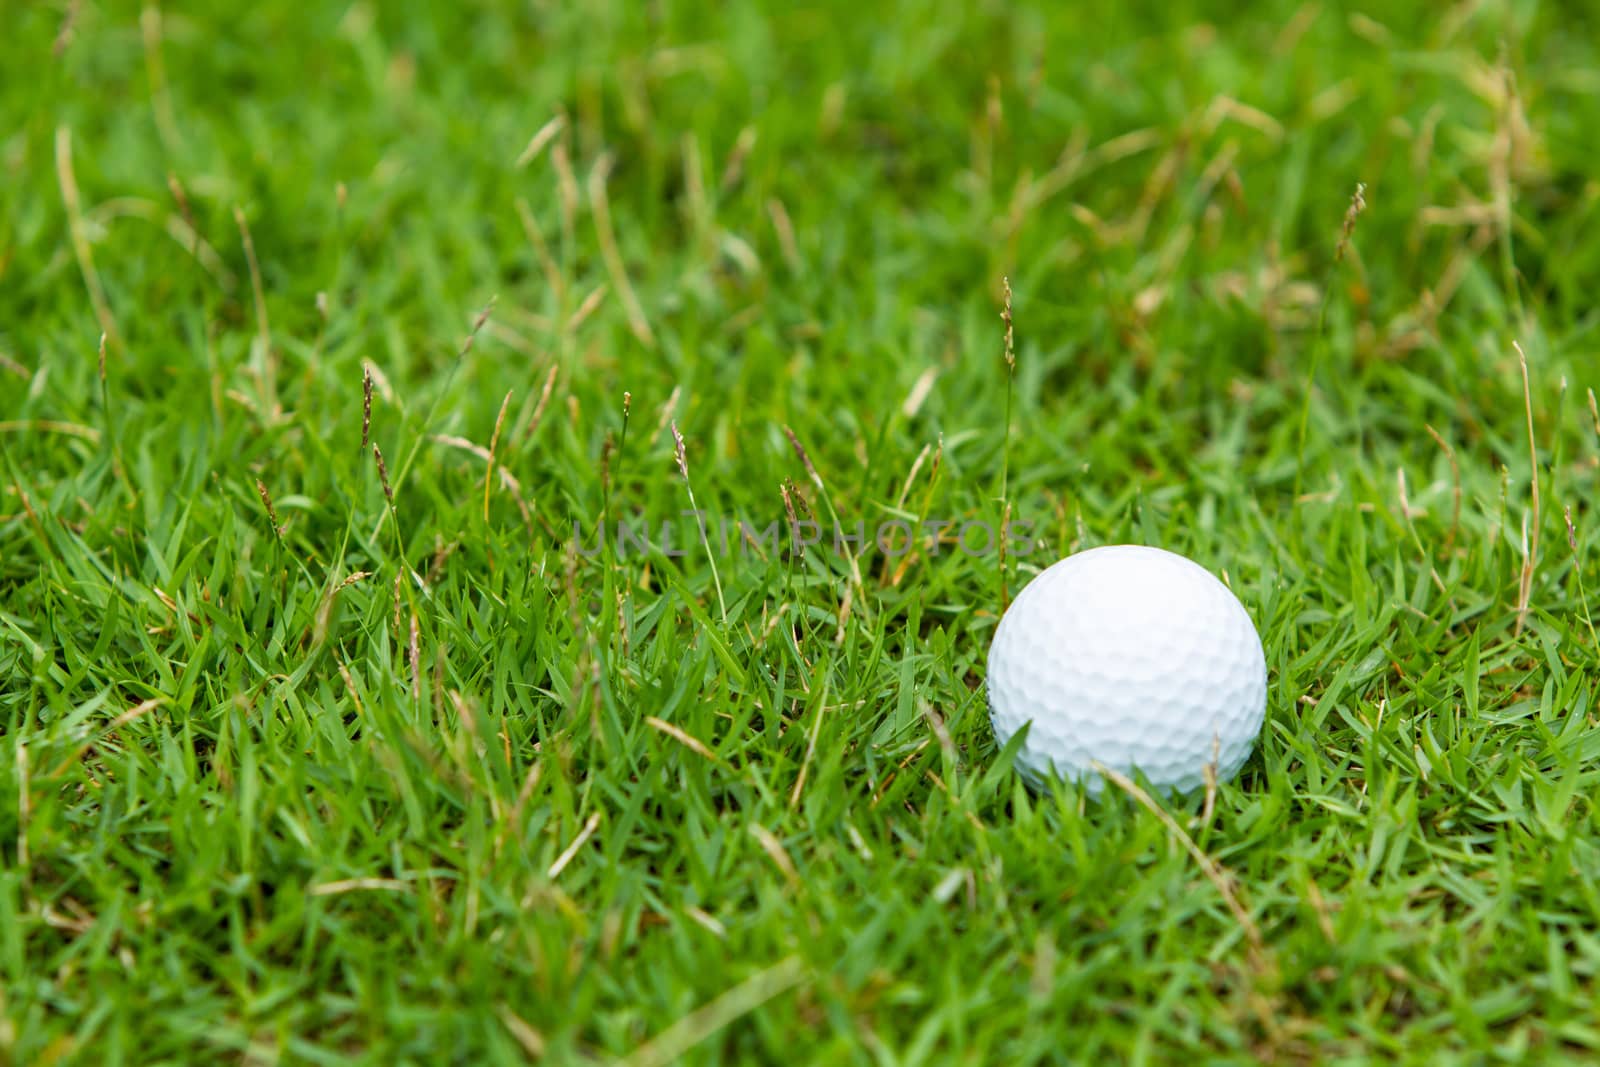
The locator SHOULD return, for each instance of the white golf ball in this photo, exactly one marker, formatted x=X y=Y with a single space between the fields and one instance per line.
x=1130 y=657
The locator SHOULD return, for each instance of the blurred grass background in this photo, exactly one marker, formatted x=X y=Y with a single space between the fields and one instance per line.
x=298 y=775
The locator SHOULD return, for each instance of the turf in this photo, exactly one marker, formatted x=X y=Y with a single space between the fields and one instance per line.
x=309 y=762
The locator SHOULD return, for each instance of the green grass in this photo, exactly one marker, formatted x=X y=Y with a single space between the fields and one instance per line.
x=495 y=796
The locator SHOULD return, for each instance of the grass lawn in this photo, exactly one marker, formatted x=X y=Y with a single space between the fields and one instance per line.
x=308 y=756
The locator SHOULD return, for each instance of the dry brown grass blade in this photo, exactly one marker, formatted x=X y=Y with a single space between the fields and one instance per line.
x=541 y=249
x=1455 y=490
x=1531 y=542
x=776 y=852
x=671 y=1044
x=538 y=409
x=355 y=885
x=683 y=737
x=268 y=368
x=531 y=1040
x=1213 y=871
x=179 y=227
x=612 y=255
x=784 y=228
x=494 y=444
x=543 y=137
x=73 y=202
x=24 y=806
x=571 y=851
x=811 y=752
x=69 y=429
x=156 y=73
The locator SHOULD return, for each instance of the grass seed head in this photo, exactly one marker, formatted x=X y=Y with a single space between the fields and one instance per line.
x=606 y=448
x=383 y=472
x=1005 y=314
x=794 y=521
x=678 y=452
x=805 y=460
x=68 y=29
x=366 y=405
x=1358 y=204
x=175 y=187
x=272 y=512
x=800 y=502
x=477 y=325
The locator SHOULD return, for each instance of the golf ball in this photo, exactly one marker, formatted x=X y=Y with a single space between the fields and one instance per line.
x=1130 y=657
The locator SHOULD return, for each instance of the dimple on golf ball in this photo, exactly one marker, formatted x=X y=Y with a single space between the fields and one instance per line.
x=1133 y=658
